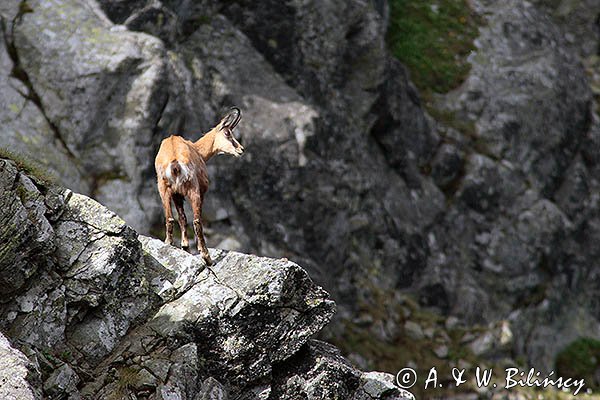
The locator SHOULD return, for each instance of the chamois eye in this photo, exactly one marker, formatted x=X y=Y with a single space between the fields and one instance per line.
x=228 y=133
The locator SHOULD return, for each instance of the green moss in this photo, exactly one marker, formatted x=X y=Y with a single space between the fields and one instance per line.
x=66 y=355
x=23 y=194
x=580 y=359
x=29 y=166
x=433 y=38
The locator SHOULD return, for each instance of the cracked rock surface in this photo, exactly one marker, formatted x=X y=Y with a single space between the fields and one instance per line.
x=104 y=313
x=235 y=319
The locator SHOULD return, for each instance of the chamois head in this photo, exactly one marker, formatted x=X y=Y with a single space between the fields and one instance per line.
x=225 y=142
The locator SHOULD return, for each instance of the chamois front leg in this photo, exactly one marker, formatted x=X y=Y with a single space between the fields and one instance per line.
x=178 y=200
x=196 y=200
x=166 y=195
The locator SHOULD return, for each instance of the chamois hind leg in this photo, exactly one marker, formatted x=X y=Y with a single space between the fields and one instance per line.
x=196 y=201
x=178 y=200
x=166 y=195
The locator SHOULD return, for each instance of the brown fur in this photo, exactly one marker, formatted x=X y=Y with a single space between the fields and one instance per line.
x=181 y=173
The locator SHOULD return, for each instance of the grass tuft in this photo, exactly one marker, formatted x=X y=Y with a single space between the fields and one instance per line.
x=29 y=166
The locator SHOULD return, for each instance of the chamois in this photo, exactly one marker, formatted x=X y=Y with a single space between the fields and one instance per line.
x=181 y=172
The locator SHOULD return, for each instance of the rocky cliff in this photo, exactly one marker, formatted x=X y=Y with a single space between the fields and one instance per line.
x=481 y=204
x=92 y=310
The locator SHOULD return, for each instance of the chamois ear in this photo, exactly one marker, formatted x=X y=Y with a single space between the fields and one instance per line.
x=231 y=120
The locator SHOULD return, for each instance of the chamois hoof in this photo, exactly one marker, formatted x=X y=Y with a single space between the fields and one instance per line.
x=186 y=248
x=207 y=259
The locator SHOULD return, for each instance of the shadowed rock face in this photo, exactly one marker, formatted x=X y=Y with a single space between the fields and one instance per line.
x=514 y=230
x=488 y=214
x=579 y=22
x=319 y=371
x=25 y=227
x=103 y=313
x=543 y=107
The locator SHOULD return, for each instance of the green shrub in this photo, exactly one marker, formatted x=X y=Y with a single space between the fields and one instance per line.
x=580 y=359
x=433 y=38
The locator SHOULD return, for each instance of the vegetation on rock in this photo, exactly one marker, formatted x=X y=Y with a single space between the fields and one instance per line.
x=433 y=38
x=580 y=359
x=30 y=166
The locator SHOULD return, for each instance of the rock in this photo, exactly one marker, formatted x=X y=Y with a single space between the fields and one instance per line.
x=170 y=20
x=145 y=380
x=102 y=91
x=413 y=330
x=25 y=129
x=516 y=197
x=487 y=186
x=429 y=332
x=63 y=381
x=446 y=165
x=578 y=19
x=512 y=56
x=468 y=396
x=229 y=244
x=97 y=266
x=308 y=53
x=19 y=379
x=441 y=351
x=495 y=340
x=343 y=97
x=294 y=111
x=318 y=371
x=119 y=10
x=402 y=129
x=241 y=315
x=574 y=194
x=115 y=314
x=451 y=322
x=154 y=19
x=212 y=390
x=379 y=385
x=183 y=270
x=463 y=364
x=358 y=360
x=81 y=289
x=26 y=233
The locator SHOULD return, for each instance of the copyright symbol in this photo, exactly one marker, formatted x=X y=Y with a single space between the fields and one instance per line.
x=406 y=378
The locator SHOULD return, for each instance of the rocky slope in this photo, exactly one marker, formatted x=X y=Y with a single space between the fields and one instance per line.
x=487 y=213
x=91 y=310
